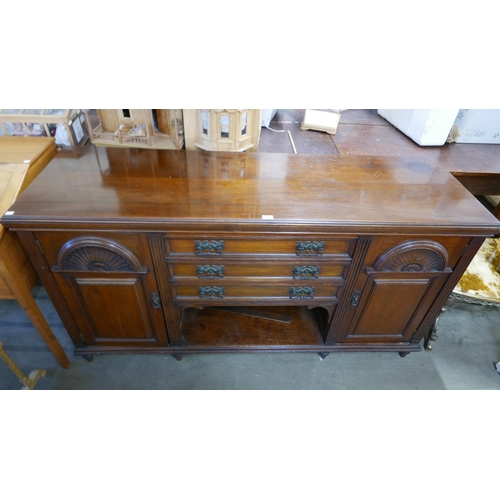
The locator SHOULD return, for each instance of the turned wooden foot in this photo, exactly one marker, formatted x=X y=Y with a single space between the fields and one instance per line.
x=88 y=357
x=403 y=354
x=323 y=355
x=433 y=331
x=178 y=357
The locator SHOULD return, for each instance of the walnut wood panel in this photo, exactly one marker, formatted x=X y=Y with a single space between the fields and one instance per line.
x=211 y=328
x=110 y=293
x=31 y=244
x=171 y=311
x=107 y=310
x=53 y=243
x=120 y=233
x=360 y=195
x=390 y=316
x=383 y=316
x=361 y=249
x=300 y=246
x=298 y=270
x=453 y=245
x=269 y=291
x=470 y=249
x=410 y=272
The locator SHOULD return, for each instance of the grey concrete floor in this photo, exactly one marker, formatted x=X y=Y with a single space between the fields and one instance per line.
x=463 y=358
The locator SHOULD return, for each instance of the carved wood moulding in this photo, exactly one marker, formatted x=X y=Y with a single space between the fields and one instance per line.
x=98 y=255
x=413 y=256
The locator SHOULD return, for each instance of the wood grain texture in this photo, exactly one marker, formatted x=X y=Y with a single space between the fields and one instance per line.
x=11 y=178
x=171 y=311
x=16 y=282
x=21 y=161
x=361 y=249
x=215 y=328
x=297 y=190
x=20 y=149
x=467 y=255
x=388 y=232
x=29 y=242
x=364 y=132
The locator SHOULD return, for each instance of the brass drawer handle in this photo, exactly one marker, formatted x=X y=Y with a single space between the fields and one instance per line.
x=209 y=247
x=210 y=272
x=310 y=248
x=301 y=292
x=305 y=272
x=211 y=292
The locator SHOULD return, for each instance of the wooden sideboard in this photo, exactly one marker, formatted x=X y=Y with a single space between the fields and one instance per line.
x=183 y=252
x=21 y=160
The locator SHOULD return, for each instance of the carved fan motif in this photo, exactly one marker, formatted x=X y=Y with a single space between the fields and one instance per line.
x=415 y=261
x=414 y=257
x=93 y=258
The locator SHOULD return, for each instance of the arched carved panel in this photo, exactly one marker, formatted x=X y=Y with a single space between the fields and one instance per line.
x=413 y=257
x=88 y=253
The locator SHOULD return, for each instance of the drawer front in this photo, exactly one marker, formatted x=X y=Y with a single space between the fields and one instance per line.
x=292 y=293
x=213 y=271
x=301 y=247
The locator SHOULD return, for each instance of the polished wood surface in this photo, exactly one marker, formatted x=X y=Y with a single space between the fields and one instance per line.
x=21 y=161
x=364 y=132
x=361 y=252
x=20 y=150
x=212 y=328
x=11 y=179
x=363 y=194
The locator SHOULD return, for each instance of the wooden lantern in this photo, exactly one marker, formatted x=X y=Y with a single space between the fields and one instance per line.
x=222 y=129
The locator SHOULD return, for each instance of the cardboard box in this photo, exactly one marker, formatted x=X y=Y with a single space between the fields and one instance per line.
x=478 y=126
x=427 y=127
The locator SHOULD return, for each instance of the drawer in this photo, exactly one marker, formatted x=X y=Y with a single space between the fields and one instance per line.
x=298 y=246
x=212 y=271
x=293 y=293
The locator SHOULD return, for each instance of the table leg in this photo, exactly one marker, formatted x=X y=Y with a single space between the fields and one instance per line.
x=433 y=332
x=24 y=297
x=27 y=382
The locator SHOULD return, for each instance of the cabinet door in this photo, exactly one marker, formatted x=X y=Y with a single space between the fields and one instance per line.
x=396 y=293
x=391 y=306
x=111 y=296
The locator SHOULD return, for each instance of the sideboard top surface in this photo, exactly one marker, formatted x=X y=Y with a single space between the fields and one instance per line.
x=114 y=187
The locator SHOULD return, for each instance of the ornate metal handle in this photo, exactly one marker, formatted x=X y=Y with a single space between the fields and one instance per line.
x=355 y=298
x=210 y=272
x=156 y=300
x=305 y=272
x=211 y=292
x=305 y=248
x=301 y=292
x=209 y=247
